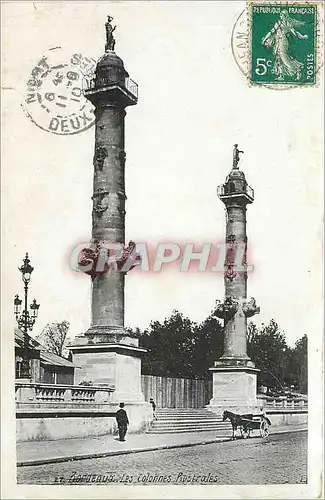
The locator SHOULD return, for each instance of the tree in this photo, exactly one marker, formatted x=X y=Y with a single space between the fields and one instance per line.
x=267 y=347
x=53 y=337
x=169 y=346
x=281 y=366
x=298 y=365
x=209 y=345
x=179 y=347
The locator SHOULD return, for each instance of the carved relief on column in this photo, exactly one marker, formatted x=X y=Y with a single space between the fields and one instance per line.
x=122 y=157
x=236 y=213
x=245 y=253
x=129 y=259
x=236 y=249
x=231 y=239
x=250 y=308
x=99 y=157
x=97 y=258
x=122 y=197
x=230 y=272
x=98 y=197
x=226 y=309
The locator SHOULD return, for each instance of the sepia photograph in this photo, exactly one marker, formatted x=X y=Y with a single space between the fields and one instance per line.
x=162 y=249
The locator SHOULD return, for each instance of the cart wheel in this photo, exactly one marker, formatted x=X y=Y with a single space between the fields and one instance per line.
x=264 y=429
x=245 y=431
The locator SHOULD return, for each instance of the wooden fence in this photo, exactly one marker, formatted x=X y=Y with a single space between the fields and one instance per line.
x=176 y=392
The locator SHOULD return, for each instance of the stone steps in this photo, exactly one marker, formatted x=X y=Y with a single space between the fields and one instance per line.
x=182 y=420
x=225 y=432
x=175 y=420
x=171 y=423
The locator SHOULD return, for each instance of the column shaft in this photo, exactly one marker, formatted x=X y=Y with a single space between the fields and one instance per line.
x=109 y=211
x=236 y=287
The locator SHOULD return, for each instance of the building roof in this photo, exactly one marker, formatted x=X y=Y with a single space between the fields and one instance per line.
x=49 y=358
x=46 y=357
x=19 y=340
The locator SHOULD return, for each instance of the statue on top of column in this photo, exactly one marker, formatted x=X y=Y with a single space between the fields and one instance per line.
x=236 y=157
x=110 y=40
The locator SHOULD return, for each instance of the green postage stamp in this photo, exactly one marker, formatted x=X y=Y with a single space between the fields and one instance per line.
x=283 y=43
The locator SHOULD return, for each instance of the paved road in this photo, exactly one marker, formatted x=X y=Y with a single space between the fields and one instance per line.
x=278 y=459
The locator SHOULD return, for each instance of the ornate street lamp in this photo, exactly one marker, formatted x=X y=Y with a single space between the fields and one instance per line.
x=27 y=318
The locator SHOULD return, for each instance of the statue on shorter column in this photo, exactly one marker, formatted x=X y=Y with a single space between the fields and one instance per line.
x=110 y=40
x=236 y=157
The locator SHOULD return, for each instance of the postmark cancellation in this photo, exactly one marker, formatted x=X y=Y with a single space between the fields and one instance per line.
x=54 y=99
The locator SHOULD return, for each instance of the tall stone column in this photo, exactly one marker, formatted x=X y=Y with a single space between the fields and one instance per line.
x=235 y=280
x=107 y=354
x=234 y=374
x=108 y=218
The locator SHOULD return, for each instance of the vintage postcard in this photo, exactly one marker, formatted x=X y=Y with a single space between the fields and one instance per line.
x=162 y=249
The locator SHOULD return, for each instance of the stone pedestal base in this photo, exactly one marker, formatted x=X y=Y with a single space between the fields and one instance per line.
x=116 y=365
x=106 y=335
x=234 y=389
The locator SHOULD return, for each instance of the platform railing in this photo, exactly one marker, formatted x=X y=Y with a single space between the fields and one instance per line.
x=221 y=191
x=127 y=83
x=250 y=191
x=131 y=86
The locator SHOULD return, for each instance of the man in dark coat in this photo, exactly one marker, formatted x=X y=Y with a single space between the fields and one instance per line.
x=122 y=422
x=153 y=404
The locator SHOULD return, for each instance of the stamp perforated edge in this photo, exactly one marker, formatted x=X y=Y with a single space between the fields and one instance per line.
x=319 y=19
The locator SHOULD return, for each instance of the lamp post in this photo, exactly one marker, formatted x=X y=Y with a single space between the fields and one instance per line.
x=27 y=318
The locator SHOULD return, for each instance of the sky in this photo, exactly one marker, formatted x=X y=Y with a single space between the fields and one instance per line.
x=194 y=104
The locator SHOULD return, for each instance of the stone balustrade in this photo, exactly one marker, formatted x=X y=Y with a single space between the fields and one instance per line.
x=49 y=393
x=29 y=392
x=282 y=402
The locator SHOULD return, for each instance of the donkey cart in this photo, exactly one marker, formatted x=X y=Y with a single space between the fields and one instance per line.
x=248 y=423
